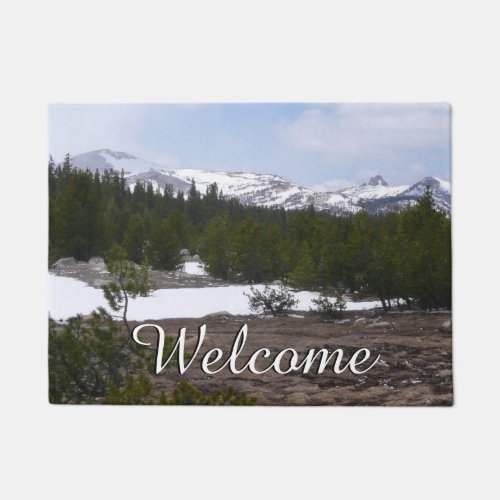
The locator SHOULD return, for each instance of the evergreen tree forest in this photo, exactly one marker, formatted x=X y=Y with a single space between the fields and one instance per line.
x=404 y=255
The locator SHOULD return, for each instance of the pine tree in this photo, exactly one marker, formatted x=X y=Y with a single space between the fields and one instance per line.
x=216 y=251
x=305 y=274
x=164 y=249
x=404 y=254
x=194 y=204
x=134 y=238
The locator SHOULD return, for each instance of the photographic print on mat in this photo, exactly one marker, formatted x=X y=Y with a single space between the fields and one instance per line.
x=250 y=254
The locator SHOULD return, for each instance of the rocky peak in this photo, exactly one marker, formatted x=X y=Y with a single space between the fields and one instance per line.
x=378 y=180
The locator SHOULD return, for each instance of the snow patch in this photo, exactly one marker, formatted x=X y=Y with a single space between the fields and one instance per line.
x=194 y=268
x=69 y=296
x=368 y=192
x=445 y=185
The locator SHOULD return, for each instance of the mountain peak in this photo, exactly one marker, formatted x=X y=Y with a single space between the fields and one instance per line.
x=119 y=155
x=266 y=189
x=378 y=180
x=105 y=158
x=434 y=183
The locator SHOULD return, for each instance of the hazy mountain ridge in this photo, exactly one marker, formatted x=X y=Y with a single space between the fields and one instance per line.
x=269 y=190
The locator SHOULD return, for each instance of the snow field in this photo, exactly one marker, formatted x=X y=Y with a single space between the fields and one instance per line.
x=68 y=297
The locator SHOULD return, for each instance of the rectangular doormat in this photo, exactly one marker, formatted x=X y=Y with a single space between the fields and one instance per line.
x=250 y=254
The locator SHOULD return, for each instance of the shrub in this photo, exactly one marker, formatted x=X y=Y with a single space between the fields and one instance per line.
x=91 y=359
x=328 y=309
x=87 y=356
x=139 y=392
x=187 y=394
x=278 y=301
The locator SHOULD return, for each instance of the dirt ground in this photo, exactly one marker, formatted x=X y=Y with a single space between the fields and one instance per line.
x=415 y=367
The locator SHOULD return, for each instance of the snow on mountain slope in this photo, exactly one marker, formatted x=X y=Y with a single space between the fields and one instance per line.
x=265 y=190
x=441 y=192
x=258 y=189
x=375 y=189
x=335 y=202
x=437 y=186
x=227 y=181
x=383 y=198
x=105 y=158
x=269 y=190
x=159 y=179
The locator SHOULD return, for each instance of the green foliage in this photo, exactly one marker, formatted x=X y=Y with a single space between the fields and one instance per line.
x=164 y=250
x=92 y=360
x=89 y=361
x=138 y=392
x=130 y=280
x=248 y=260
x=187 y=394
x=74 y=213
x=278 y=301
x=328 y=309
x=430 y=256
x=134 y=392
x=217 y=252
x=87 y=356
x=134 y=240
x=404 y=254
x=305 y=273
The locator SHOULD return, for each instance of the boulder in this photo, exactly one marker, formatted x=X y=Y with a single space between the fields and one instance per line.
x=446 y=326
x=97 y=262
x=219 y=315
x=66 y=261
x=184 y=253
x=359 y=321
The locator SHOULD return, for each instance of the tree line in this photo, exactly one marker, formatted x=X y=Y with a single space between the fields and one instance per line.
x=403 y=254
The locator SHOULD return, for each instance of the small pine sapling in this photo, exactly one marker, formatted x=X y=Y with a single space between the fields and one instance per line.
x=278 y=301
x=328 y=309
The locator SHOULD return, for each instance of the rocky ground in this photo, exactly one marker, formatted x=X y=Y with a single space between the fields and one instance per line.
x=415 y=367
x=94 y=273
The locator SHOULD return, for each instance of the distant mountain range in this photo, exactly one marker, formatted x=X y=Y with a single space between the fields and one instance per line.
x=267 y=190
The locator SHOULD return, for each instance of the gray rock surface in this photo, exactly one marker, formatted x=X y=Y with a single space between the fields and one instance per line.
x=381 y=325
x=95 y=274
x=446 y=326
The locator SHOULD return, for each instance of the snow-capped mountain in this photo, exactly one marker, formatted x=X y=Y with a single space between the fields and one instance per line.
x=159 y=179
x=375 y=197
x=261 y=189
x=375 y=189
x=268 y=190
x=441 y=191
x=105 y=158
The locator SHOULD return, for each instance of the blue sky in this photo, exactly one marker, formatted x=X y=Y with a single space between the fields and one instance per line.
x=324 y=146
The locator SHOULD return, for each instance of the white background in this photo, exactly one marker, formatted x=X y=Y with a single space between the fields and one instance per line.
x=124 y=51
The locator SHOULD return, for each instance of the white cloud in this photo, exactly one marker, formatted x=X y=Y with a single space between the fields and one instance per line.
x=417 y=169
x=166 y=160
x=78 y=128
x=384 y=133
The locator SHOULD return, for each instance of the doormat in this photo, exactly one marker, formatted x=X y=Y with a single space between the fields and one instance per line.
x=250 y=254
